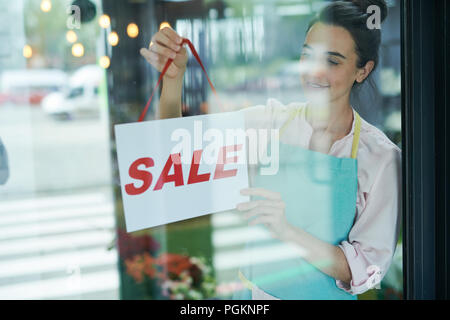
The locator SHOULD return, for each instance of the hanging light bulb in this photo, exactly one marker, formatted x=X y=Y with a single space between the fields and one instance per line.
x=132 y=30
x=71 y=36
x=113 y=38
x=104 y=62
x=27 y=51
x=164 y=24
x=46 y=5
x=104 y=21
x=77 y=50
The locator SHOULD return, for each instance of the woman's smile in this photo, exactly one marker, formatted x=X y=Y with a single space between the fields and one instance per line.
x=315 y=85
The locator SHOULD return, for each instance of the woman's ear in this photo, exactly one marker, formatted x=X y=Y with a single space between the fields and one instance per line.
x=364 y=72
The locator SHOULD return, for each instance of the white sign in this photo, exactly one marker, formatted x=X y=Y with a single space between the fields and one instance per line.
x=176 y=169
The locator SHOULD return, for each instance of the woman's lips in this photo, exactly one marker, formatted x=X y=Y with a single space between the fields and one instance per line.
x=314 y=85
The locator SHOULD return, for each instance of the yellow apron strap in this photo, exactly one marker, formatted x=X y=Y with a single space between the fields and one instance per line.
x=291 y=116
x=356 y=133
x=245 y=281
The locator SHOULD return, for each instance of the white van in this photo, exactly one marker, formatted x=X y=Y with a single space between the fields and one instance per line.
x=80 y=98
x=30 y=86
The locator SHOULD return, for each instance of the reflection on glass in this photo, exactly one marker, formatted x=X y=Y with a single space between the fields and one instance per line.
x=56 y=209
x=60 y=97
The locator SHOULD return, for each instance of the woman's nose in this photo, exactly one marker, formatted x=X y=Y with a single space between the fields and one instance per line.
x=318 y=69
x=314 y=68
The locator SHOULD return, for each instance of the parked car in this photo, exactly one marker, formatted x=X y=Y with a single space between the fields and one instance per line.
x=30 y=86
x=80 y=98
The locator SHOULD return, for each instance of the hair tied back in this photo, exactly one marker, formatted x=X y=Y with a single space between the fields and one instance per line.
x=363 y=5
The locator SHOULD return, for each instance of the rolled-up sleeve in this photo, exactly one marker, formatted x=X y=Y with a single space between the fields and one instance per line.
x=373 y=238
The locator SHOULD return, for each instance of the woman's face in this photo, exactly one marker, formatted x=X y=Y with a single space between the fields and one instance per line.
x=328 y=63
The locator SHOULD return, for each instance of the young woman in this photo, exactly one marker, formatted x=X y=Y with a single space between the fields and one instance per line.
x=337 y=195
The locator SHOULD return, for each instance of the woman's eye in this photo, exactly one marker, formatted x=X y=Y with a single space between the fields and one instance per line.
x=305 y=55
x=332 y=62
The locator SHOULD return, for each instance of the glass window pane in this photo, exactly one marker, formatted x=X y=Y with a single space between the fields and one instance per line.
x=316 y=82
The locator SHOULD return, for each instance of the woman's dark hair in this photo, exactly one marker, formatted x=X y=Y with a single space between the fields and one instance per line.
x=353 y=16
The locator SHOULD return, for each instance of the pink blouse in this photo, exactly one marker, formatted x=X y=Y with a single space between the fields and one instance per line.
x=373 y=237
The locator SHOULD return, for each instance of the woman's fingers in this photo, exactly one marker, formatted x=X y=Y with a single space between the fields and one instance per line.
x=263 y=211
x=267 y=211
x=253 y=204
x=154 y=59
x=148 y=55
x=168 y=35
x=145 y=53
x=163 y=39
x=172 y=71
x=171 y=34
x=162 y=50
x=159 y=62
x=262 y=219
x=166 y=44
x=271 y=195
x=181 y=58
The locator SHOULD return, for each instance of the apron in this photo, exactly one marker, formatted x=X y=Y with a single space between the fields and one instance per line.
x=320 y=192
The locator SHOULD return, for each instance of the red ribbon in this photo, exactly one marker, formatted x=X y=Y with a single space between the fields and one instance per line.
x=197 y=57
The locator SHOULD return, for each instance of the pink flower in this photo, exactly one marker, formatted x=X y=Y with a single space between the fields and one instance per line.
x=135 y=268
x=130 y=245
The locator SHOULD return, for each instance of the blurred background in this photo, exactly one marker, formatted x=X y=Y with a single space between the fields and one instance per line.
x=71 y=70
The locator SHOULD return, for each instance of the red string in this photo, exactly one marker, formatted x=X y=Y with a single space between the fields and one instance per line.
x=163 y=72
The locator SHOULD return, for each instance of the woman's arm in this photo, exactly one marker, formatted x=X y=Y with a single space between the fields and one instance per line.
x=328 y=258
x=372 y=241
x=170 y=100
x=166 y=44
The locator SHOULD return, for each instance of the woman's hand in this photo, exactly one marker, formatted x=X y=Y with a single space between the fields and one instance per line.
x=270 y=211
x=166 y=44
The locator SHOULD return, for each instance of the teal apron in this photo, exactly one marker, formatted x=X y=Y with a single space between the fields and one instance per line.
x=319 y=191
